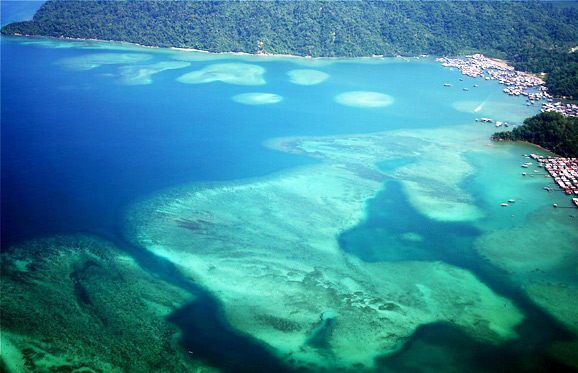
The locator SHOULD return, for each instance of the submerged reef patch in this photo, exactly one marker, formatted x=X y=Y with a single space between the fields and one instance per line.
x=231 y=73
x=78 y=303
x=307 y=77
x=257 y=98
x=142 y=74
x=269 y=252
x=364 y=99
x=94 y=60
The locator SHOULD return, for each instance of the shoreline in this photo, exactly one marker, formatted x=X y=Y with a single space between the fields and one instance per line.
x=183 y=49
x=528 y=143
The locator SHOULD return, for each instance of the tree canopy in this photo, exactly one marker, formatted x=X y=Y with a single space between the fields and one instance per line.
x=550 y=130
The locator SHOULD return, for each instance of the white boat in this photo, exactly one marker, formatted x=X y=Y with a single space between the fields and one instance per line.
x=575 y=200
x=511 y=200
x=447 y=85
x=504 y=204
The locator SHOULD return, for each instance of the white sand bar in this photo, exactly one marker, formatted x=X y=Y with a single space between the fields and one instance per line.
x=257 y=98
x=307 y=77
x=364 y=99
x=94 y=60
x=142 y=74
x=231 y=73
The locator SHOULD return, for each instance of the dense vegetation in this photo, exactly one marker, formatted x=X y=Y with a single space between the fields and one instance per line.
x=550 y=130
x=533 y=36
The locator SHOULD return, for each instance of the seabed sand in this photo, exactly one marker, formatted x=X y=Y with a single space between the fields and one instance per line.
x=94 y=60
x=542 y=259
x=232 y=73
x=364 y=99
x=495 y=110
x=268 y=249
x=257 y=98
x=142 y=74
x=77 y=303
x=307 y=77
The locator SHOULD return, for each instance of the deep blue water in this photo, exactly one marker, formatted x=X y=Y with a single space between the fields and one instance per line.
x=77 y=147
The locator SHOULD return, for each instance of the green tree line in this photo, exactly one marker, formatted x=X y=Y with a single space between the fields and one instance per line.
x=550 y=130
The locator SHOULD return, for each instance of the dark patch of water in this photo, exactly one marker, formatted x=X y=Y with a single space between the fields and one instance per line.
x=378 y=238
x=204 y=331
x=319 y=337
x=395 y=231
x=442 y=347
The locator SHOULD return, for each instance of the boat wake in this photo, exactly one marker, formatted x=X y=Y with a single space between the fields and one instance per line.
x=482 y=104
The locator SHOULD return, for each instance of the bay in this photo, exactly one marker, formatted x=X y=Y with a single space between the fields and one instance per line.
x=98 y=137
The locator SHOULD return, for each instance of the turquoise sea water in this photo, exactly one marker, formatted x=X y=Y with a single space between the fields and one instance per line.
x=85 y=136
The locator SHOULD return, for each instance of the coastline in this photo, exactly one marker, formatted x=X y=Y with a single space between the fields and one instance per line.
x=181 y=49
x=551 y=153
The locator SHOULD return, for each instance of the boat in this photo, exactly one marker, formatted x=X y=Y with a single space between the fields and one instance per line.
x=575 y=200
x=466 y=89
x=504 y=204
x=555 y=205
x=447 y=85
x=511 y=200
x=523 y=173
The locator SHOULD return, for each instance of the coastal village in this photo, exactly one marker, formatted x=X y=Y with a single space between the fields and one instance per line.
x=563 y=171
x=517 y=83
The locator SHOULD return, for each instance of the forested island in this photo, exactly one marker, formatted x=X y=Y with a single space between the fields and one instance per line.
x=550 y=130
x=532 y=36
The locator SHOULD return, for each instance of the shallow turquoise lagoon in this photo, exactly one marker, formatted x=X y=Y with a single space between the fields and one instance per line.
x=317 y=205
